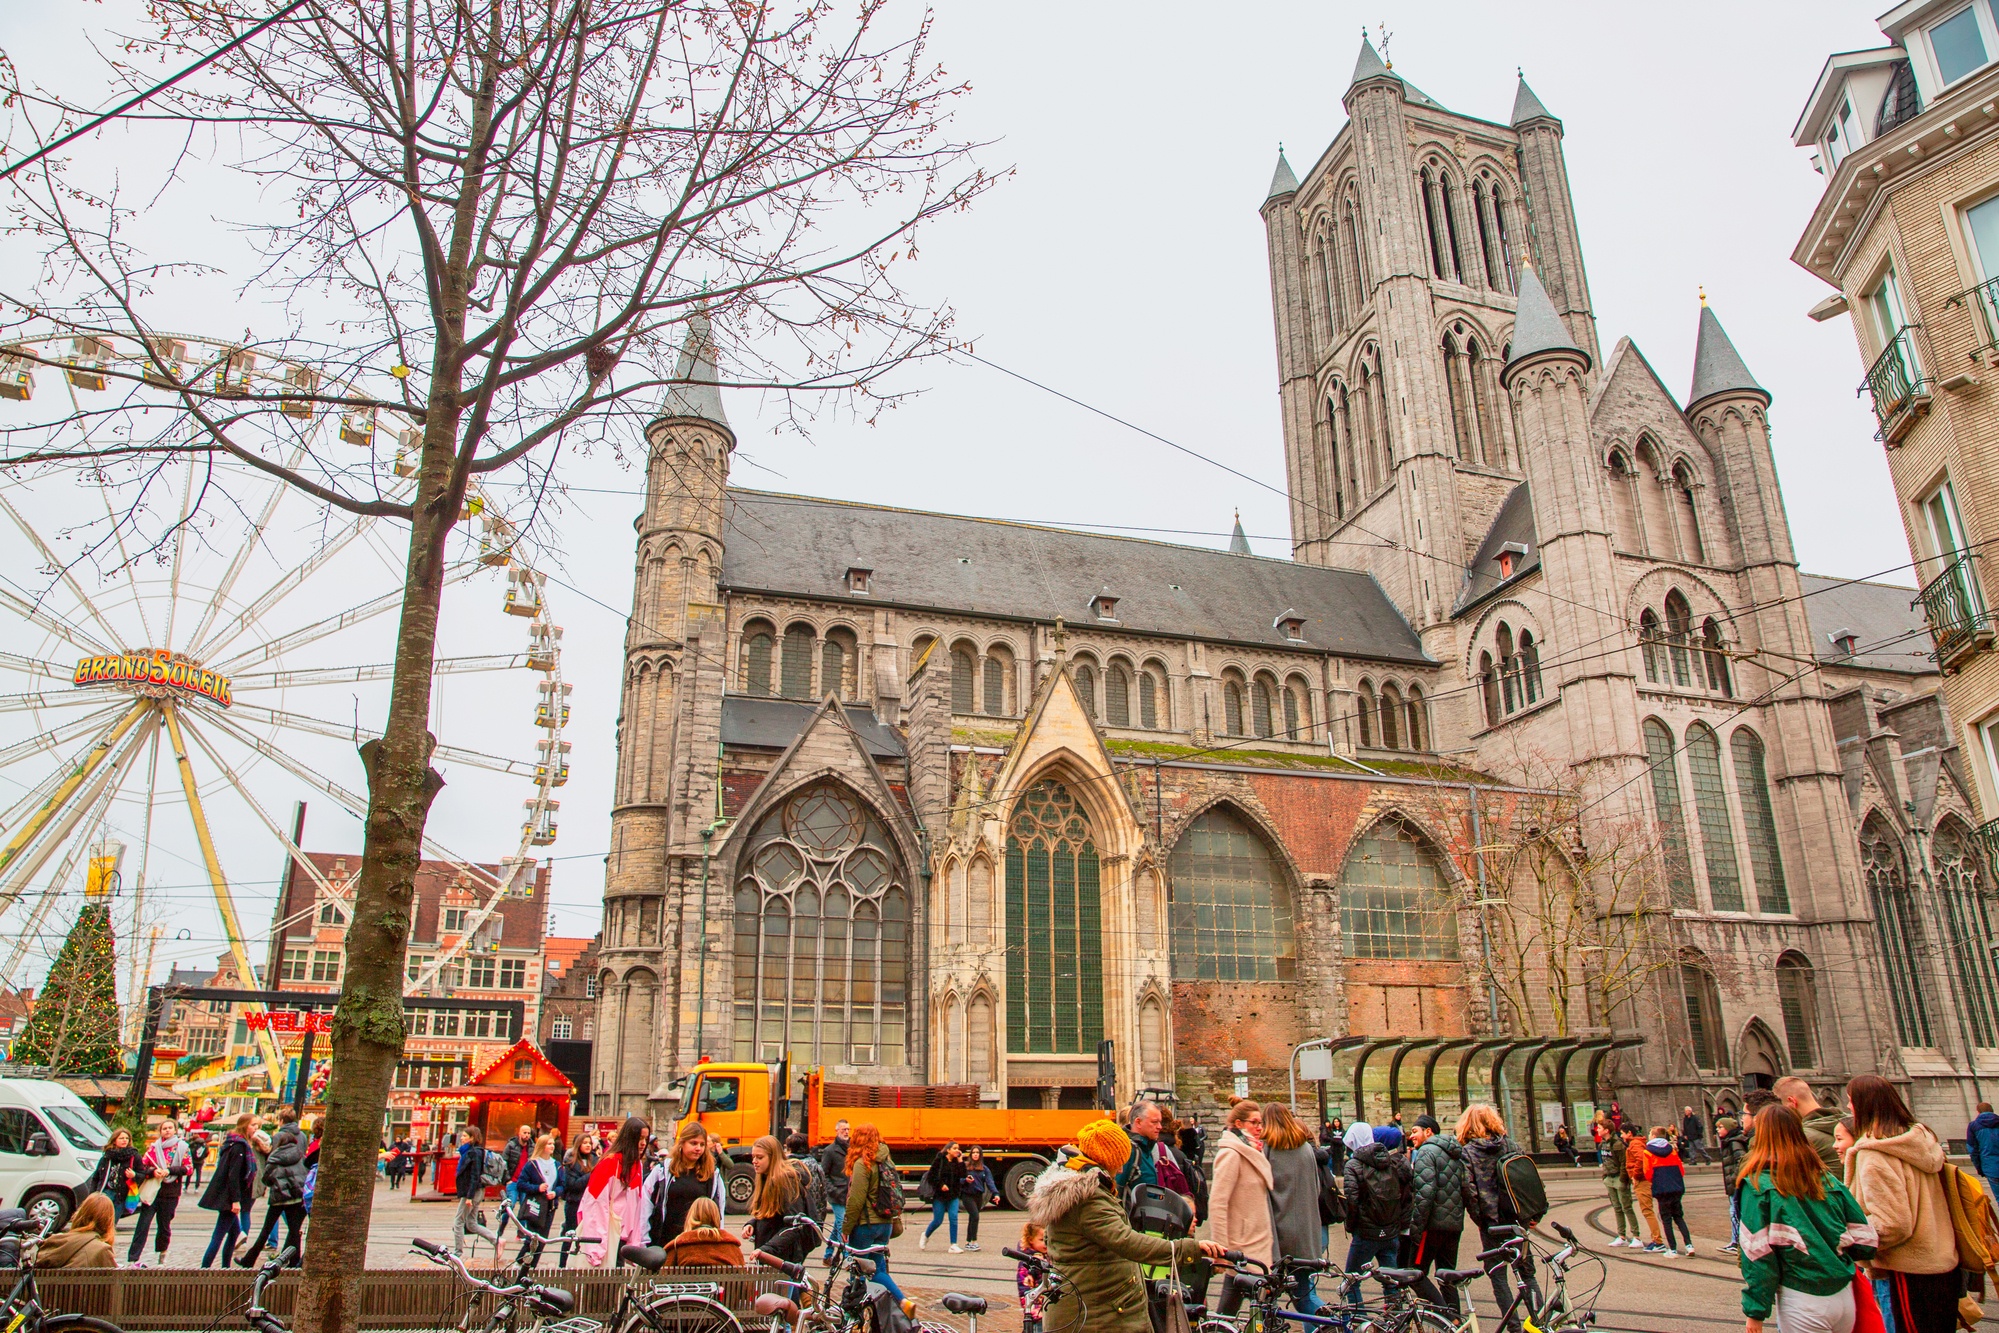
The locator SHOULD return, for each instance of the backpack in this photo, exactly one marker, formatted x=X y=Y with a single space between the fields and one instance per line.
x=1520 y=1183
x=1972 y=1220
x=815 y=1187
x=1383 y=1205
x=1157 y=1210
x=492 y=1168
x=1332 y=1203
x=889 y=1198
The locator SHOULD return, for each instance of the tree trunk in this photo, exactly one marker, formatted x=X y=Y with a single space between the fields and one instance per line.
x=368 y=1023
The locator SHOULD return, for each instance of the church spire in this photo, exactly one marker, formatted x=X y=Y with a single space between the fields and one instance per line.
x=1283 y=181
x=1526 y=106
x=1537 y=328
x=1370 y=64
x=1718 y=367
x=1239 y=540
x=696 y=394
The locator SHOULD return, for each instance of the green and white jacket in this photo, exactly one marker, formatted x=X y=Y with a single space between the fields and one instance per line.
x=1808 y=1245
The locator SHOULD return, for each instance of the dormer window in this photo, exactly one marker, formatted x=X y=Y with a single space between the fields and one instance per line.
x=860 y=580
x=1842 y=135
x=1846 y=640
x=1959 y=44
x=1104 y=606
x=1510 y=556
x=1292 y=624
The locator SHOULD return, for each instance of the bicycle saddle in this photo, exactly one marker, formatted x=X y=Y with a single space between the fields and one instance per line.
x=1397 y=1277
x=957 y=1304
x=553 y=1301
x=775 y=1303
x=649 y=1257
x=1452 y=1277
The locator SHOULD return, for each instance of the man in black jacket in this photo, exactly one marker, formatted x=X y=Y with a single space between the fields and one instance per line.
x=1378 y=1189
x=833 y=1158
x=284 y=1187
x=1442 y=1191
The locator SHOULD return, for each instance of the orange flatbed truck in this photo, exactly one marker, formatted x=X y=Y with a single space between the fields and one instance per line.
x=737 y=1103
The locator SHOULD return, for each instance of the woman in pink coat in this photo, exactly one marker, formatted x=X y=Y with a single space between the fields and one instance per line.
x=611 y=1208
x=1239 y=1193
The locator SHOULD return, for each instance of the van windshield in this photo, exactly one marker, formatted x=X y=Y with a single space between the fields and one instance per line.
x=80 y=1125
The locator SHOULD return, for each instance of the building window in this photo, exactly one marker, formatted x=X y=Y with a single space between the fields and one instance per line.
x=330 y=913
x=796 y=669
x=454 y=920
x=837 y=656
x=1961 y=607
x=480 y=975
x=1260 y=701
x=1394 y=899
x=1231 y=907
x=413 y=965
x=1724 y=876
x=1716 y=658
x=979 y=1039
x=325 y=965
x=1488 y=688
x=1652 y=646
x=1666 y=804
x=1968 y=917
x=1149 y=693
x=1365 y=706
x=1418 y=718
x=1797 y=997
x=1959 y=45
x=295 y=965
x=1703 y=1008
x=999 y=665
x=1679 y=628
x=1293 y=724
x=1752 y=787
x=758 y=641
x=1086 y=688
x=1054 y=957
x=1232 y=708
x=822 y=935
x=590 y=986
x=513 y=973
x=1530 y=669
x=964 y=675
x=1117 y=695
x=1899 y=928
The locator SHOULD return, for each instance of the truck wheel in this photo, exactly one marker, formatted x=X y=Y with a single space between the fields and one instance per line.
x=741 y=1182
x=50 y=1208
x=1020 y=1178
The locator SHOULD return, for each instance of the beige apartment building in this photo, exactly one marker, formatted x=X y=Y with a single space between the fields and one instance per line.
x=1907 y=137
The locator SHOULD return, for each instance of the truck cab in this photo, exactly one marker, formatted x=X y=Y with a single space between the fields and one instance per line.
x=734 y=1103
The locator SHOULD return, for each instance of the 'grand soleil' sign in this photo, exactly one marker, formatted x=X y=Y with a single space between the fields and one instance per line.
x=156 y=673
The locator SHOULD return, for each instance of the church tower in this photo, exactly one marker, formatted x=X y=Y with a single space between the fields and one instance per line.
x=674 y=647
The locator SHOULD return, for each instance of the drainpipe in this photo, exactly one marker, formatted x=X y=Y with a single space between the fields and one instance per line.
x=701 y=970
x=1485 y=936
x=1950 y=972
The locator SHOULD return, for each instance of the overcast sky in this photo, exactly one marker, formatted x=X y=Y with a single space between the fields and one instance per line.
x=1123 y=264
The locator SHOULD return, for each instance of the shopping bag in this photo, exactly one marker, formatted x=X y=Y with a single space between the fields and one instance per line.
x=1866 y=1314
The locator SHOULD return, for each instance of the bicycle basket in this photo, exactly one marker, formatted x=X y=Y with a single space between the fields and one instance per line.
x=574 y=1326
x=705 y=1290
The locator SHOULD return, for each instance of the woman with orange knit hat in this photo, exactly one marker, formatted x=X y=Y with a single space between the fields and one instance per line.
x=1090 y=1240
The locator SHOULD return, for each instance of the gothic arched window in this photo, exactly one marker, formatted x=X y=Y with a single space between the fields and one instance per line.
x=1260 y=692
x=1686 y=514
x=1679 y=629
x=1395 y=901
x=1798 y=1001
x=1231 y=905
x=1297 y=709
x=1488 y=445
x=1530 y=669
x=999 y=666
x=1509 y=670
x=1492 y=234
x=1433 y=222
x=1232 y=707
x=1968 y=917
x=822 y=935
x=1715 y=656
x=1348 y=464
x=1724 y=876
x=1488 y=688
x=1391 y=717
x=1659 y=750
x=1457 y=389
x=837 y=658
x=1629 y=534
x=1054 y=956
x=1702 y=998
x=964 y=678
x=1418 y=723
x=1651 y=645
x=1759 y=821
x=1365 y=706
x=1337 y=451
x=1899 y=929
x=1086 y=687
x=1117 y=695
x=797 y=667
x=979 y=1039
x=1152 y=710
x=758 y=641
x=1383 y=443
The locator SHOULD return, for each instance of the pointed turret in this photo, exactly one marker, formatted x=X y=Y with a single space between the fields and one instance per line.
x=1526 y=106
x=1537 y=328
x=697 y=394
x=1239 y=540
x=1718 y=367
x=1283 y=181
x=1370 y=65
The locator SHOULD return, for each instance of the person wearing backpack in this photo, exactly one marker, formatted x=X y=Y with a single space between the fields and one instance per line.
x=1981 y=1144
x=798 y=1149
x=1441 y=1191
x=1666 y=1173
x=1895 y=1171
x=471 y=1192
x=1379 y=1190
x=1733 y=1145
x=874 y=1202
x=1487 y=1151
x=1641 y=1190
x=1617 y=1185
x=1805 y=1231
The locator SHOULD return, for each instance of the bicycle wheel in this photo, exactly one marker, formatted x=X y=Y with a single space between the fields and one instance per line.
x=689 y=1314
x=1419 y=1319
x=78 y=1323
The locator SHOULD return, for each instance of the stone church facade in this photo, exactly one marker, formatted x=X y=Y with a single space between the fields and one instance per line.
x=926 y=798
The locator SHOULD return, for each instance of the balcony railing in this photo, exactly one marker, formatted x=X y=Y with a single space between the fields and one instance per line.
x=1987 y=837
x=1983 y=300
x=1898 y=384
x=1955 y=610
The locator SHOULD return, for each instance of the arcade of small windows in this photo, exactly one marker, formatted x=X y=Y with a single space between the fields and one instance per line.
x=1509 y=674
x=1678 y=656
x=1655 y=508
x=1733 y=814
x=1265 y=709
x=1340 y=279
x=807 y=664
x=1468 y=233
x=1119 y=694
x=1471 y=378
x=1392 y=718
x=1359 y=447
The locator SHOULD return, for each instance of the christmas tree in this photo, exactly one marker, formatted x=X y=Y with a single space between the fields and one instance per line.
x=74 y=1026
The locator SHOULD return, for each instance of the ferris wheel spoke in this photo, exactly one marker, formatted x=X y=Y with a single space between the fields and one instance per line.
x=80 y=775
x=45 y=743
x=35 y=700
x=252 y=540
x=298 y=638
x=43 y=618
x=347 y=731
x=244 y=790
x=279 y=680
x=31 y=849
x=35 y=666
x=62 y=568
x=124 y=556
x=53 y=890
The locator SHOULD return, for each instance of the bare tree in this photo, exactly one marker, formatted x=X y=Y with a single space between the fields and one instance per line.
x=493 y=222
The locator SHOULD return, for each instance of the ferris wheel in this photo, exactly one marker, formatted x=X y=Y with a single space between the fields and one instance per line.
x=225 y=668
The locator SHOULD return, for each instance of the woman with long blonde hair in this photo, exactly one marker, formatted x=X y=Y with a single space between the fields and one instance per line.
x=775 y=1202
x=689 y=1172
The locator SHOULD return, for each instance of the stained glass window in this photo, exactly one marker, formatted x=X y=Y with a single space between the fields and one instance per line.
x=1797 y=997
x=1394 y=899
x=821 y=935
x=1231 y=907
x=1752 y=785
x=1968 y=916
x=1054 y=956
x=1899 y=930
x=1724 y=877
x=1666 y=804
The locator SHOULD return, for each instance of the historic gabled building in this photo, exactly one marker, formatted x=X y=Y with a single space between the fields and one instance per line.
x=924 y=797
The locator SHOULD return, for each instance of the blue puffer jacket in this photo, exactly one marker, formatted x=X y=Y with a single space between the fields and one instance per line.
x=1981 y=1139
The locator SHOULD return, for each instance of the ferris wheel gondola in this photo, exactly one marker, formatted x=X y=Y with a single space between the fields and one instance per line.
x=217 y=673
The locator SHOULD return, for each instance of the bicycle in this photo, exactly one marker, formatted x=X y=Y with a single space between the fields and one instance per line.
x=256 y=1316
x=543 y=1302
x=1554 y=1314
x=1264 y=1289
x=858 y=1308
x=22 y=1312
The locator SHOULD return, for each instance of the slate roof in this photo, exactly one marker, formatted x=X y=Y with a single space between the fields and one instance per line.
x=1878 y=614
x=1369 y=65
x=1526 y=106
x=802 y=546
x=698 y=396
x=1718 y=366
x=1513 y=523
x=1537 y=328
x=772 y=724
x=1283 y=181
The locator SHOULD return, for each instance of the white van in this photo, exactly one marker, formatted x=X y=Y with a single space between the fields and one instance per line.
x=50 y=1143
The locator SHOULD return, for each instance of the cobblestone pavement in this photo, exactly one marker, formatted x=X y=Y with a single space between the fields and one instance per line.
x=1641 y=1293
